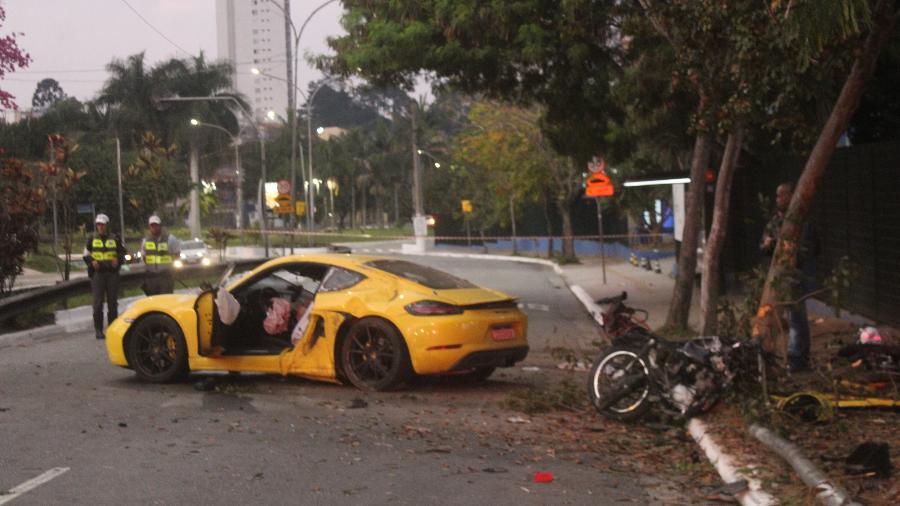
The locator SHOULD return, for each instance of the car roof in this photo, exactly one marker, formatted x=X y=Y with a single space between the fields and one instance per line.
x=339 y=259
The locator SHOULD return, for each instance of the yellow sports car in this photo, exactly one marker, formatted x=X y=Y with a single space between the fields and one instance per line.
x=370 y=321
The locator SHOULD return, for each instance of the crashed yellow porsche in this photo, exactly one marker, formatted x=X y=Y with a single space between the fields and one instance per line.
x=369 y=321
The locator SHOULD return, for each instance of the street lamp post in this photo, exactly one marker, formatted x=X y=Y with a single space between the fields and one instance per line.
x=332 y=185
x=236 y=142
x=262 y=149
x=292 y=89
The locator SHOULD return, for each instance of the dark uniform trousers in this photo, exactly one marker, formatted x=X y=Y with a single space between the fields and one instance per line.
x=105 y=284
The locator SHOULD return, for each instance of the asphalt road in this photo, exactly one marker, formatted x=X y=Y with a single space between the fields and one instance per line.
x=270 y=440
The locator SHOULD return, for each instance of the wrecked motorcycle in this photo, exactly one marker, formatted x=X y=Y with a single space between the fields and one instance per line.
x=641 y=370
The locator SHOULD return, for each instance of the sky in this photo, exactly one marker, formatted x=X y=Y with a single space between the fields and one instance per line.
x=73 y=40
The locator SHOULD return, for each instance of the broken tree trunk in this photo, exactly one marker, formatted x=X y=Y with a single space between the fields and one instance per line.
x=709 y=287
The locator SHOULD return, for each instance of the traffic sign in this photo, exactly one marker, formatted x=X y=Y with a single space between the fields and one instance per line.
x=466 y=206
x=300 y=208
x=599 y=185
x=284 y=203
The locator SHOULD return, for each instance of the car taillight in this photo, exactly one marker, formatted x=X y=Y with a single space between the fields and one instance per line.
x=432 y=308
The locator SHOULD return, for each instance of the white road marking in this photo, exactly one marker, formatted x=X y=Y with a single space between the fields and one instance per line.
x=31 y=484
x=536 y=307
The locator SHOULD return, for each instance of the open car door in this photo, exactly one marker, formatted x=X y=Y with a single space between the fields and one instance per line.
x=205 y=307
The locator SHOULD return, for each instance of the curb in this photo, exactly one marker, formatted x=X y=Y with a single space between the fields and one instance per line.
x=721 y=461
x=507 y=258
x=724 y=464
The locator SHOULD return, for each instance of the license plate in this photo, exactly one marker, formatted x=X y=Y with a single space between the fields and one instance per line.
x=503 y=333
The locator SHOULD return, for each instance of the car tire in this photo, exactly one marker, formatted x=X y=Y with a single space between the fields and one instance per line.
x=374 y=356
x=156 y=349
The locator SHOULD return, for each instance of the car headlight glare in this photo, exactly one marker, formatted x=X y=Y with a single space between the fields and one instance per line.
x=205 y=261
x=178 y=264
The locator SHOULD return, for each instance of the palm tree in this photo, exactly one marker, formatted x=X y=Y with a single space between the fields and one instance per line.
x=131 y=96
x=128 y=96
x=195 y=77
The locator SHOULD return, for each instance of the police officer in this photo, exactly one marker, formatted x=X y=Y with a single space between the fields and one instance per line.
x=104 y=254
x=158 y=250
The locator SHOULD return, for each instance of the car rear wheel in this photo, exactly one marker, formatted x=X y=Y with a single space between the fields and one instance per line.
x=374 y=356
x=156 y=349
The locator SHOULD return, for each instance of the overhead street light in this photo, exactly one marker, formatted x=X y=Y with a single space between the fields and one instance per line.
x=310 y=198
x=236 y=142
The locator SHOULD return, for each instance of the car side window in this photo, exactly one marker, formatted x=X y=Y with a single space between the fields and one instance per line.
x=340 y=279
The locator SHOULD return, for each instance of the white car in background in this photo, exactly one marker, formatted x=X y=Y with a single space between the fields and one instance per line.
x=193 y=252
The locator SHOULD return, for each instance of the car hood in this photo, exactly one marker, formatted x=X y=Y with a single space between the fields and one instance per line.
x=166 y=302
x=470 y=296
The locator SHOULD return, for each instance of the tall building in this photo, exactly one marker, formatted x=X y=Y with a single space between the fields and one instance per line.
x=251 y=35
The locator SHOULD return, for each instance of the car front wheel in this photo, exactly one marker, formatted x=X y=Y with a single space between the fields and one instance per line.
x=374 y=356
x=156 y=349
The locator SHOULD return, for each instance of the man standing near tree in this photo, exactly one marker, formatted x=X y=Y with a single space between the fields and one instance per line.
x=158 y=250
x=103 y=255
x=802 y=280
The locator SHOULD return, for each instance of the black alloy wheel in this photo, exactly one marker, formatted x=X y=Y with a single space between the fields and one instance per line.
x=374 y=356
x=156 y=349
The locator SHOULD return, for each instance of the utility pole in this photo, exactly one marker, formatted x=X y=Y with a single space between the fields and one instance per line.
x=239 y=217
x=119 y=171
x=194 y=212
x=292 y=115
x=419 y=226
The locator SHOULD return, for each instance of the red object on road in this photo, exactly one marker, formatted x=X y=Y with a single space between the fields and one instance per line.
x=543 y=477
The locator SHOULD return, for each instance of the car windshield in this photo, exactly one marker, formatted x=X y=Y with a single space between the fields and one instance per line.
x=426 y=276
x=192 y=245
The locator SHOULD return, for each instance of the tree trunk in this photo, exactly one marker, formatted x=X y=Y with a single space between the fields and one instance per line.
x=568 y=243
x=785 y=256
x=680 y=307
x=396 y=204
x=365 y=207
x=352 y=203
x=512 y=221
x=709 y=287
x=546 y=208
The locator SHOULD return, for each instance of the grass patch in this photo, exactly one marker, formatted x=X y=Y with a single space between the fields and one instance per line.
x=30 y=320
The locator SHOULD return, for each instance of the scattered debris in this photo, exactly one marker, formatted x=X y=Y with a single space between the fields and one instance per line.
x=870 y=457
x=517 y=419
x=358 y=403
x=531 y=368
x=207 y=384
x=495 y=470
x=543 y=477
x=123 y=424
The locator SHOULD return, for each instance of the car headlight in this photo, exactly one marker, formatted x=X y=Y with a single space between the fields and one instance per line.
x=178 y=264
x=205 y=261
x=182 y=255
x=127 y=257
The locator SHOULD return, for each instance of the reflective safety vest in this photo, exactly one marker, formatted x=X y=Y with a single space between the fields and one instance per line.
x=103 y=250
x=157 y=252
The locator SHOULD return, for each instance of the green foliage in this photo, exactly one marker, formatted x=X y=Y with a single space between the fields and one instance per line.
x=557 y=54
x=21 y=203
x=152 y=179
x=47 y=93
x=735 y=316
